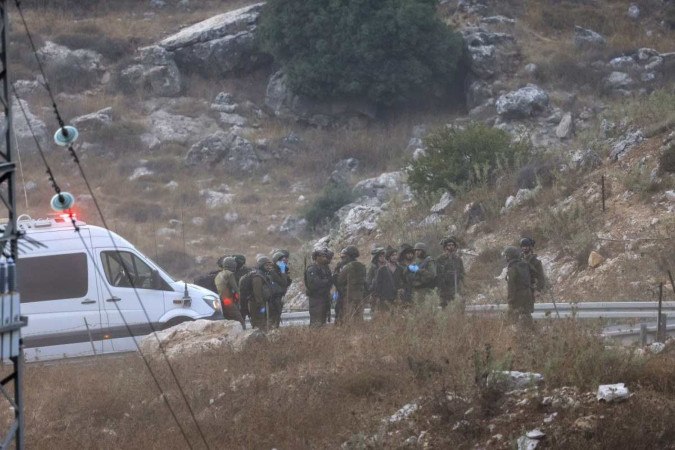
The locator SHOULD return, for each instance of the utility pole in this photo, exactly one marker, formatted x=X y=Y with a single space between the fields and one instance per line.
x=10 y=307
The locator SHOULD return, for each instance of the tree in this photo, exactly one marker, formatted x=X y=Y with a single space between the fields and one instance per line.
x=383 y=50
x=457 y=159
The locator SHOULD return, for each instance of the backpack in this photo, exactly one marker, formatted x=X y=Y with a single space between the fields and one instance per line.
x=246 y=286
x=431 y=283
x=208 y=281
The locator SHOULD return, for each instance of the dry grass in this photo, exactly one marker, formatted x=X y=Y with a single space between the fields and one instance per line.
x=314 y=388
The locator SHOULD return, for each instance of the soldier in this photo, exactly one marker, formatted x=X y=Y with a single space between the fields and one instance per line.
x=406 y=257
x=319 y=281
x=537 y=276
x=241 y=270
x=450 y=271
x=260 y=292
x=376 y=262
x=351 y=283
x=519 y=293
x=387 y=284
x=228 y=290
x=280 y=282
x=422 y=273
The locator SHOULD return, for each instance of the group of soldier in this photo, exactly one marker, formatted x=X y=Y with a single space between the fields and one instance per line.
x=397 y=277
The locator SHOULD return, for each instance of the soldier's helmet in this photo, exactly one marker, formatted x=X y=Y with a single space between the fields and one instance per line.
x=322 y=252
x=389 y=251
x=511 y=253
x=405 y=248
x=262 y=260
x=276 y=256
x=240 y=259
x=350 y=251
x=527 y=242
x=229 y=263
x=376 y=251
x=220 y=261
x=421 y=246
x=449 y=239
x=285 y=253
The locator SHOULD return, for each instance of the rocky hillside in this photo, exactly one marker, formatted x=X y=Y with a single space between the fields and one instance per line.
x=197 y=147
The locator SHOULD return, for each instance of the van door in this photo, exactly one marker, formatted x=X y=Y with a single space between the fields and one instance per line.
x=125 y=270
x=59 y=295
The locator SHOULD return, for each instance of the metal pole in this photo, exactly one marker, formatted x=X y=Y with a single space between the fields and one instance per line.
x=672 y=283
x=660 y=335
x=10 y=337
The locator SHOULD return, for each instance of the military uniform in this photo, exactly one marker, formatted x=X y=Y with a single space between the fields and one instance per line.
x=423 y=279
x=519 y=292
x=350 y=281
x=228 y=291
x=241 y=270
x=386 y=286
x=450 y=276
x=537 y=276
x=318 y=281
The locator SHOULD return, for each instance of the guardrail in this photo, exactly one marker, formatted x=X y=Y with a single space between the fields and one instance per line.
x=581 y=310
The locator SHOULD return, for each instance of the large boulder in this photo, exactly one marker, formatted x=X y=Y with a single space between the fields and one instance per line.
x=522 y=103
x=190 y=338
x=225 y=148
x=623 y=145
x=219 y=45
x=359 y=223
x=588 y=39
x=489 y=53
x=154 y=71
x=178 y=129
x=22 y=132
x=73 y=70
x=94 y=121
x=285 y=104
x=384 y=187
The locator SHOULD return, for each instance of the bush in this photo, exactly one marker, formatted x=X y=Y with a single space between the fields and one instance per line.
x=384 y=51
x=333 y=197
x=458 y=159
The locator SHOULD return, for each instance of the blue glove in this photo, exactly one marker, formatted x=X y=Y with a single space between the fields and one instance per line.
x=263 y=310
x=336 y=296
x=282 y=266
x=413 y=268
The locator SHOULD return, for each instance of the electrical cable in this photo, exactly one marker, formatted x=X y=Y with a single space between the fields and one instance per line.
x=77 y=230
x=100 y=212
x=76 y=159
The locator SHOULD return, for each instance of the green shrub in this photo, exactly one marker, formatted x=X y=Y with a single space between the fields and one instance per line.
x=386 y=51
x=458 y=159
x=333 y=197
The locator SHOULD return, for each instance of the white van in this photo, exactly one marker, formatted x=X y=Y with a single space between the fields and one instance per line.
x=77 y=290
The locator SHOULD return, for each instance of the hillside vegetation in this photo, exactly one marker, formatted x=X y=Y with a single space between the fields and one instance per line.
x=558 y=134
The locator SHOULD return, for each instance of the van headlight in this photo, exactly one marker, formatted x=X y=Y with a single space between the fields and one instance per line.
x=212 y=301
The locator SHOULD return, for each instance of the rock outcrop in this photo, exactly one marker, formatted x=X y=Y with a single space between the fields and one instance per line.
x=219 y=45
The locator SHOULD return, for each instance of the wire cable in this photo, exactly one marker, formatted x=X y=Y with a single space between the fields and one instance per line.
x=76 y=159
x=77 y=230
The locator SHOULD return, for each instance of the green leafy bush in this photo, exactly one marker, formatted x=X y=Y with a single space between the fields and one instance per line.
x=385 y=51
x=333 y=197
x=458 y=159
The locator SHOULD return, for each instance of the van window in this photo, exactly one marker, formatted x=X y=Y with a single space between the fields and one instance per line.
x=53 y=277
x=124 y=269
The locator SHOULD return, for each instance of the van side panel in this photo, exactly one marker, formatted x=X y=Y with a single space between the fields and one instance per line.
x=59 y=292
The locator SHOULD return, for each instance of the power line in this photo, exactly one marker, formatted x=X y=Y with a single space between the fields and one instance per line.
x=77 y=230
x=76 y=159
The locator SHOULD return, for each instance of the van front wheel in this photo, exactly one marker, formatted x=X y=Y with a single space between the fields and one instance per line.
x=175 y=321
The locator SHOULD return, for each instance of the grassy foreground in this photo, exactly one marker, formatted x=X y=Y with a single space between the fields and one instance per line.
x=306 y=388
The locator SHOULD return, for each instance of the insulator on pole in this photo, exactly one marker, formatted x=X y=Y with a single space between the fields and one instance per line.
x=66 y=135
x=62 y=201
